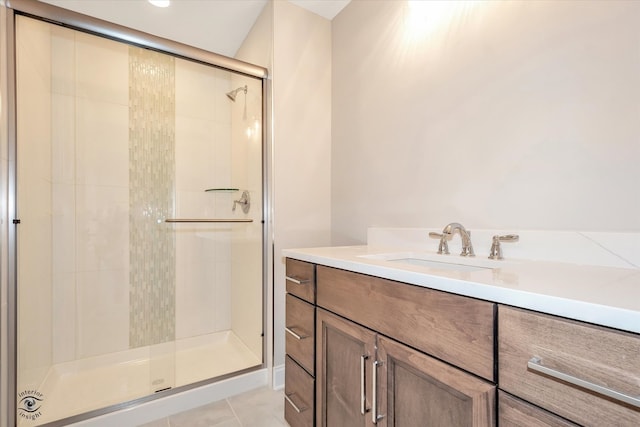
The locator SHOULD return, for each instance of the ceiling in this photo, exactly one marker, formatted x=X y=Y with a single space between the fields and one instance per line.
x=218 y=26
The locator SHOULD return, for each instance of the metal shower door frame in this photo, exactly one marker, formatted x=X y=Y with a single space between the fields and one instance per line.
x=84 y=23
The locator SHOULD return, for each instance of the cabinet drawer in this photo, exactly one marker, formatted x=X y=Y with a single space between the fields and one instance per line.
x=299 y=398
x=513 y=412
x=457 y=329
x=598 y=356
x=300 y=332
x=301 y=279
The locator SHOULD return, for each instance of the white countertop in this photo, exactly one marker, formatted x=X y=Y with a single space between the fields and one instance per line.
x=604 y=296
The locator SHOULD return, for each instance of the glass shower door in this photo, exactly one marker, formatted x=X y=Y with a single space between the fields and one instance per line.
x=139 y=251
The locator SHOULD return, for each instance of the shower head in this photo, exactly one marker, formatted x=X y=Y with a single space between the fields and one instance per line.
x=232 y=95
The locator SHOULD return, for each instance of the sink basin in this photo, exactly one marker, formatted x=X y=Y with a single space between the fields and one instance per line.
x=439 y=265
x=440 y=262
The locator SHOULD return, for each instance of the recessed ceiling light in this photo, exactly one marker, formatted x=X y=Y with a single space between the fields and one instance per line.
x=160 y=3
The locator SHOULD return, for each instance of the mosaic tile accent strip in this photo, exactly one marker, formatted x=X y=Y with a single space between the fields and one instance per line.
x=151 y=197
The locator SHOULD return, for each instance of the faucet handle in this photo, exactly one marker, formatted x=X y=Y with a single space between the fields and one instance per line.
x=443 y=246
x=496 y=249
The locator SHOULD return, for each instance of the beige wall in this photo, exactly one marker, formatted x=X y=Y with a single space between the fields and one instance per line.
x=302 y=141
x=505 y=115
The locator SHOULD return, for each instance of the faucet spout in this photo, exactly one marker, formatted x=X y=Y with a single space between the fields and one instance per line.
x=465 y=235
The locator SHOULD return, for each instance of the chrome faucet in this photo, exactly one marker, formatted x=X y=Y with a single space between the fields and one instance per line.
x=448 y=232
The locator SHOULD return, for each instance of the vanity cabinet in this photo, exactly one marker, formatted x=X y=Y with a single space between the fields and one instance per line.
x=375 y=347
x=300 y=333
x=578 y=371
x=394 y=354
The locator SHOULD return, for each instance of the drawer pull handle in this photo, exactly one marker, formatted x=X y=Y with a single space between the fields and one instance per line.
x=295 y=335
x=375 y=417
x=363 y=394
x=288 y=399
x=296 y=280
x=535 y=364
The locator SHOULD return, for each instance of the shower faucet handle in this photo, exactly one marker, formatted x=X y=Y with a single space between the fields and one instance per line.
x=245 y=202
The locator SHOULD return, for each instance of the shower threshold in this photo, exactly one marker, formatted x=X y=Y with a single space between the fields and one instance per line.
x=85 y=385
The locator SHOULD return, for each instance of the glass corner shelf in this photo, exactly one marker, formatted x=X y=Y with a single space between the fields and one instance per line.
x=222 y=190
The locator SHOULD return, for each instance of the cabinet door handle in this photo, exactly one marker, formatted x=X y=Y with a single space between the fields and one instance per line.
x=374 y=404
x=535 y=364
x=288 y=399
x=363 y=393
x=295 y=335
x=297 y=281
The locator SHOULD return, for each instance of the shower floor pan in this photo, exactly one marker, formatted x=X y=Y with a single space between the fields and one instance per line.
x=72 y=388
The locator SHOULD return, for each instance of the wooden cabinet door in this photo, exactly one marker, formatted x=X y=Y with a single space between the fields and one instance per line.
x=344 y=356
x=414 y=389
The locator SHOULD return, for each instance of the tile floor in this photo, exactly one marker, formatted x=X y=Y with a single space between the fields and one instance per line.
x=262 y=407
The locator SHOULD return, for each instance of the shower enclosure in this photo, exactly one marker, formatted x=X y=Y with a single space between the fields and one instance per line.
x=139 y=222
